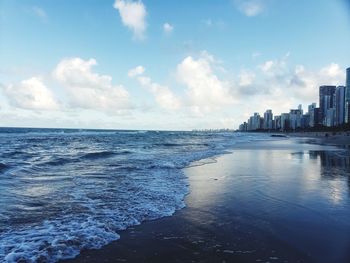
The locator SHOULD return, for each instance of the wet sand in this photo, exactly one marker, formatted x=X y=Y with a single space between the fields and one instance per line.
x=270 y=201
x=341 y=139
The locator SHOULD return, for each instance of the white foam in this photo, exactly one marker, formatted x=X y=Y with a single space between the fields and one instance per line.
x=96 y=210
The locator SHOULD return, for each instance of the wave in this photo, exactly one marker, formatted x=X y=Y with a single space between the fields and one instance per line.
x=3 y=167
x=60 y=161
x=109 y=188
x=97 y=155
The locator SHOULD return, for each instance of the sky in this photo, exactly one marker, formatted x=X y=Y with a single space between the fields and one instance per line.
x=166 y=65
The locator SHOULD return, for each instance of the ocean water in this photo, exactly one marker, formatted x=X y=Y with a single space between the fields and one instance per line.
x=66 y=190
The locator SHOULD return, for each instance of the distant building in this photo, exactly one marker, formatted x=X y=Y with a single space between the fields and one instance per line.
x=312 y=116
x=300 y=108
x=256 y=121
x=305 y=121
x=243 y=127
x=250 y=123
x=330 y=117
x=339 y=105
x=295 y=117
x=333 y=111
x=317 y=112
x=277 y=123
x=285 y=121
x=268 y=117
x=347 y=96
x=326 y=95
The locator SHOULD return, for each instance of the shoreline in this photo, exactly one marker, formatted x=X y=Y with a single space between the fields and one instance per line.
x=341 y=139
x=196 y=233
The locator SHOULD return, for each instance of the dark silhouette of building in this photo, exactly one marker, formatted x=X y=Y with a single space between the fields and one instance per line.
x=339 y=105
x=326 y=101
x=347 y=96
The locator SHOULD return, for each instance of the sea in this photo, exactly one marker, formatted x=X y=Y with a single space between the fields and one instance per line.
x=64 y=190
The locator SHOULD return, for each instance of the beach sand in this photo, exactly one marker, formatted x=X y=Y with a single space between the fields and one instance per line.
x=269 y=201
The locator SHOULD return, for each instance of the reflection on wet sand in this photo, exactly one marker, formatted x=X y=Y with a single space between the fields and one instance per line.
x=334 y=167
x=339 y=159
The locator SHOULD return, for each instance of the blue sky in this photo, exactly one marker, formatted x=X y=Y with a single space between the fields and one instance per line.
x=166 y=64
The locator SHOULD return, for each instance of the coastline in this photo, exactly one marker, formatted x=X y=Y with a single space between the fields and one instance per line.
x=210 y=228
x=341 y=139
x=327 y=138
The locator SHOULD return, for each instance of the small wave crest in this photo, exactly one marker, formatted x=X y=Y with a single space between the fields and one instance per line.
x=92 y=187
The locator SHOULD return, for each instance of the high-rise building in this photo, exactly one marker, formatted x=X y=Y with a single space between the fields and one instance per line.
x=312 y=115
x=326 y=101
x=285 y=121
x=339 y=105
x=295 y=118
x=330 y=117
x=300 y=107
x=268 y=117
x=347 y=97
x=277 y=123
x=256 y=121
x=305 y=121
x=250 y=123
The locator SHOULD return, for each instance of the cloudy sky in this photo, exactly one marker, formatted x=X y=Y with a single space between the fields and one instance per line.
x=174 y=65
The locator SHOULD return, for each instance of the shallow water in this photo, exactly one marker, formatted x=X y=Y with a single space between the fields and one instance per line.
x=66 y=190
x=280 y=196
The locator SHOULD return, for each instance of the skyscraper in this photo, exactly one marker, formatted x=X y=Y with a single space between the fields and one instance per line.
x=268 y=117
x=285 y=121
x=339 y=105
x=311 y=111
x=295 y=118
x=326 y=101
x=347 y=96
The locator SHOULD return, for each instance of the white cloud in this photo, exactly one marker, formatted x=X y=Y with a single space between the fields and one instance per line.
x=333 y=71
x=30 y=94
x=250 y=7
x=219 y=23
x=167 y=28
x=139 y=70
x=133 y=15
x=281 y=86
x=305 y=83
x=246 y=78
x=163 y=95
x=90 y=90
x=205 y=91
x=40 y=12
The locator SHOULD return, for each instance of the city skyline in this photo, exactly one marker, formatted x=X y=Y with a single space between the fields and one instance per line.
x=123 y=64
x=333 y=112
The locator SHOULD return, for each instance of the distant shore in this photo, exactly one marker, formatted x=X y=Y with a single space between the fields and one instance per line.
x=248 y=206
x=329 y=138
x=337 y=138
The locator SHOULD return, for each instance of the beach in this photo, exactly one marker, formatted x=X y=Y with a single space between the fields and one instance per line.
x=284 y=200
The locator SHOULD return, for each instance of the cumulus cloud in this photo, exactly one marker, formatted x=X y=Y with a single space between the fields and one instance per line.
x=250 y=7
x=167 y=28
x=89 y=90
x=162 y=94
x=30 y=94
x=305 y=83
x=204 y=89
x=139 y=70
x=281 y=86
x=246 y=78
x=133 y=15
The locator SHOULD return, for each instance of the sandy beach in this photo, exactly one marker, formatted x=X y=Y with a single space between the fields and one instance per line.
x=341 y=139
x=269 y=201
